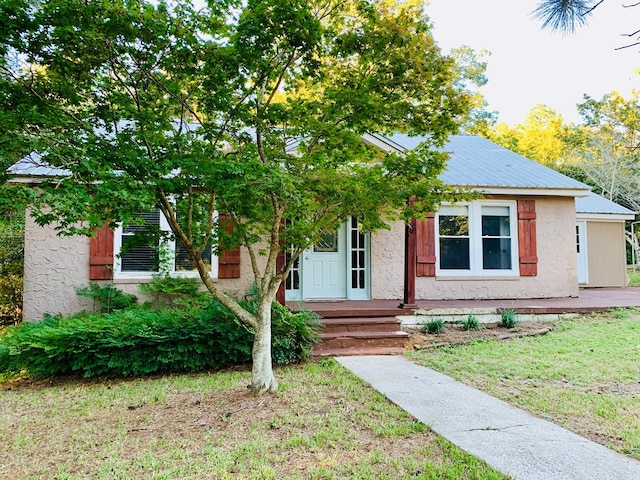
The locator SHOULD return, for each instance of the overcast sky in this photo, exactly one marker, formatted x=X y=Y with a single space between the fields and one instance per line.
x=528 y=66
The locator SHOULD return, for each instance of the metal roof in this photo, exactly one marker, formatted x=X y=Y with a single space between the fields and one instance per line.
x=474 y=162
x=33 y=165
x=594 y=203
x=477 y=162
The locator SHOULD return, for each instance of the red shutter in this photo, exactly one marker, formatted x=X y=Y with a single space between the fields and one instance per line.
x=426 y=248
x=527 y=243
x=101 y=255
x=229 y=260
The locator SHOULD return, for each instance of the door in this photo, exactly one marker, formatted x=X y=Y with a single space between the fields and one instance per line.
x=324 y=272
x=581 y=248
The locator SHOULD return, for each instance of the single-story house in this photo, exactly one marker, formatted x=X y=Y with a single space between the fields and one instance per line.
x=518 y=240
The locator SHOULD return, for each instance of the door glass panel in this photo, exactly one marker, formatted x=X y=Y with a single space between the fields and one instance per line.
x=328 y=242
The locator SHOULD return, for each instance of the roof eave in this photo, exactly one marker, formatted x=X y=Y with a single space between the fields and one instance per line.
x=605 y=217
x=537 y=191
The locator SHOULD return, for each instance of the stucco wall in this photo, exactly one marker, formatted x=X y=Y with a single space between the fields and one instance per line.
x=557 y=271
x=56 y=266
x=606 y=254
x=53 y=268
x=387 y=263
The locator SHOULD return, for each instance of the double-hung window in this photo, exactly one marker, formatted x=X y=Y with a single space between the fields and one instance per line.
x=165 y=255
x=479 y=238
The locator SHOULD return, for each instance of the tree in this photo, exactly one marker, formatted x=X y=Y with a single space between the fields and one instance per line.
x=608 y=150
x=471 y=68
x=241 y=121
x=542 y=137
x=567 y=15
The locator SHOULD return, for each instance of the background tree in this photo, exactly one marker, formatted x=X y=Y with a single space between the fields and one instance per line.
x=543 y=137
x=251 y=110
x=567 y=15
x=470 y=70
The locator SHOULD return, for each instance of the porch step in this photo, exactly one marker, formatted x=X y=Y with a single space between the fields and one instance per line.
x=368 y=324
x=361 y=341
x=354 y=351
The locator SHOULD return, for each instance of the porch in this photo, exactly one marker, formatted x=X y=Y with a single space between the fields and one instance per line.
x=357 y=327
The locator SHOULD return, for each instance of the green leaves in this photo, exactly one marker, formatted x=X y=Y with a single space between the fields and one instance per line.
x=140 y=341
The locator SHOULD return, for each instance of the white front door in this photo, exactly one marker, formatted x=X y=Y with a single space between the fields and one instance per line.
x=324 y=268
x=581 y=248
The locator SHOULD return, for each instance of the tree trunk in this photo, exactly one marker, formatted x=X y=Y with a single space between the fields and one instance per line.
x=263 y=379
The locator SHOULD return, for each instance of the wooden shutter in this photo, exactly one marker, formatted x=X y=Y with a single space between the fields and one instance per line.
x=229 y=260
x=101 y=255
x=527 y=243
x=426 y=246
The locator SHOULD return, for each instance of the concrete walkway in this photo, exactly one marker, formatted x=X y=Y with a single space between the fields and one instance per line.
x=507 y=438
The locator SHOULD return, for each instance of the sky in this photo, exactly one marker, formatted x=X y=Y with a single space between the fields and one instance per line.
x=530 y=66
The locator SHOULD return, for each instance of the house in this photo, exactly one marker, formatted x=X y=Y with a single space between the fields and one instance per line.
x=517 y=241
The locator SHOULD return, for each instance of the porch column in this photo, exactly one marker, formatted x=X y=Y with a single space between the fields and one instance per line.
x=409 y=299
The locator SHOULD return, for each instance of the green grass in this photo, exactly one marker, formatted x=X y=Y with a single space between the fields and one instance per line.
x=584 y=375
x=324 y=423
x=634 y=277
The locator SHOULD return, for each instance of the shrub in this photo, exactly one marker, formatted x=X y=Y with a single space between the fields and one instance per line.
x=107 y=297
x=174 y=291
x=508 y=318
x=471 y=324
x=141 y=341
x=11 y=265
x=434 y=326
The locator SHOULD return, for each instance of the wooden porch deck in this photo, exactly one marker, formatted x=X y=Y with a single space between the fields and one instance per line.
x=588 y=300
x=371 y=326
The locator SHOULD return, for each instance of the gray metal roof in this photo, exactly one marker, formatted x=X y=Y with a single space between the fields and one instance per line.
x=594 y=203
x=34 y=166
x=474 y=162
x=478 y=162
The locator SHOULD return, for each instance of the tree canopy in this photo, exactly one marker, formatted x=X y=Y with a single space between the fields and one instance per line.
x=248 y=110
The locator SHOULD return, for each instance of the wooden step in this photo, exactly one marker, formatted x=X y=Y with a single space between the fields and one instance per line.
x=377 y=324
x=361 y=340
x=360 y=312
x=348 y=352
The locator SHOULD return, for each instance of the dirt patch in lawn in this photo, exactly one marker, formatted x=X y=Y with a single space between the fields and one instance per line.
x=456 y=335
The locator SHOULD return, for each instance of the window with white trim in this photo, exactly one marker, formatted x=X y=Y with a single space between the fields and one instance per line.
x=166 y=256
x=478 y=238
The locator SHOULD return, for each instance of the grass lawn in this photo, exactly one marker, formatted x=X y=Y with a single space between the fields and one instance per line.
x=634 y=276
x=583 y=375
x=324 y=423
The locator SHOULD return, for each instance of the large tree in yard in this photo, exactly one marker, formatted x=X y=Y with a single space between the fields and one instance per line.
x=242 y=121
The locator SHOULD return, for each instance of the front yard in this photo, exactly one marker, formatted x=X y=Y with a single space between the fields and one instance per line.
x=584 y=375
x=323 y=424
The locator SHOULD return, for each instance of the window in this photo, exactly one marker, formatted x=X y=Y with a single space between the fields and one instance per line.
x=477 y=239
x=146 y=260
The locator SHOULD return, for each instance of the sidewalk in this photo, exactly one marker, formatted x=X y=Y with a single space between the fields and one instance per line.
x=507 y=438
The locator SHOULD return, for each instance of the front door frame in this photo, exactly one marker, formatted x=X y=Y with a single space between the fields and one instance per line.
x=357 y=268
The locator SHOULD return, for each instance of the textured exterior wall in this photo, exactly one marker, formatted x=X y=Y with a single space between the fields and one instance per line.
x=387 y=263
x=557 y=270
x=53 y=268
x=606 y=254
